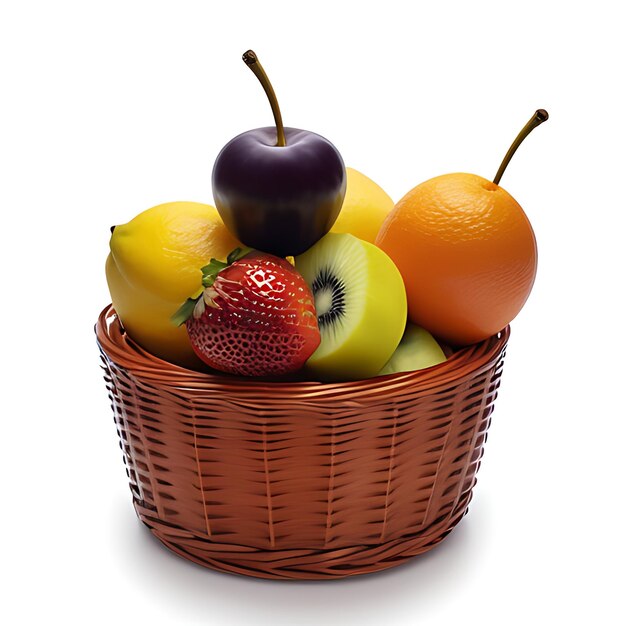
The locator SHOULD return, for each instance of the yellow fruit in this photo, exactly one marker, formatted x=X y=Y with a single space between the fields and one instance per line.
x=154 y=266
x=364 y=208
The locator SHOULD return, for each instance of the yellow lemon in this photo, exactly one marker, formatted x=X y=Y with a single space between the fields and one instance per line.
x=155 y=264
x=364 y=208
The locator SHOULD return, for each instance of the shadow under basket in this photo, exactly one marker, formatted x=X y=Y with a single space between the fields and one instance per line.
x=299 y=480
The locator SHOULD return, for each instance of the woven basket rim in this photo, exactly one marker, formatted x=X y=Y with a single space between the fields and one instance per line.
x=118 y=347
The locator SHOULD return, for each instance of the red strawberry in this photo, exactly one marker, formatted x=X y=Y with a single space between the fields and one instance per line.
x=255 y=317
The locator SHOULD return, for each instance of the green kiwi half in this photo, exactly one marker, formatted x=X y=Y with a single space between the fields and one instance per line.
x=361 y=306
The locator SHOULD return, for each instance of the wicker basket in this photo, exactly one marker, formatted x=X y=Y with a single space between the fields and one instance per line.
x=299 y=480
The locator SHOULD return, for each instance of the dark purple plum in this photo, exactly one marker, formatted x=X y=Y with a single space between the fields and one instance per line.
x=278 y=189
x=279 y=199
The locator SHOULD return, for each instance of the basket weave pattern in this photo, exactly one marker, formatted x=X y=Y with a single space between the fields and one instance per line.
x=300 y=479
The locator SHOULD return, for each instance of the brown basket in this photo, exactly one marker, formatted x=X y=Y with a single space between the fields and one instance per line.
x=299 y=480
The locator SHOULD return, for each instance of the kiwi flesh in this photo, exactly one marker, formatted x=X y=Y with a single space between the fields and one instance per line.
x=361 y=306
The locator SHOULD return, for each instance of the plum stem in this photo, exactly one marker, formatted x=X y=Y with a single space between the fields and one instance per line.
x=252 y=61
x=539 y=117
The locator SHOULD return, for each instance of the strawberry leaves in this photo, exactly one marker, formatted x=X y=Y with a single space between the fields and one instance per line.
x=184 y=312
x=209 y=274
x=210 y=271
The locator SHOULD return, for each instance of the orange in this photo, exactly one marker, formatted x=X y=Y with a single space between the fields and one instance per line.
x=467 y=254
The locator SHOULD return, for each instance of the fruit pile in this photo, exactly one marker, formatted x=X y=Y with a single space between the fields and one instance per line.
x=307 y=266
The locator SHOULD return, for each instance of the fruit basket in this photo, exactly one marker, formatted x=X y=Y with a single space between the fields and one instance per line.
x=299 y=480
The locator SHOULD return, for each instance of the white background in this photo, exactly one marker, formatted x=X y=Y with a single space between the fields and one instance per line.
x=108 y=108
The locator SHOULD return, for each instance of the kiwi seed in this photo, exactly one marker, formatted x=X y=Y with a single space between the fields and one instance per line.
x=330 y=294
